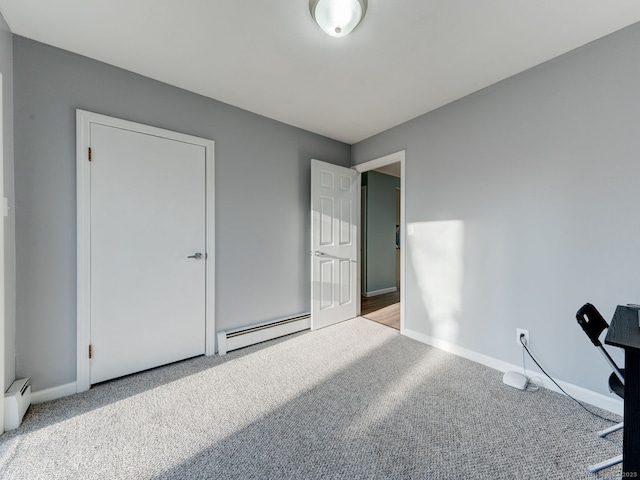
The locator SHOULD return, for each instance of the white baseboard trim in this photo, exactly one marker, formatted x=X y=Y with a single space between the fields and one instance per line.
x=53 y=393
x=599 y=400
x=380 y=292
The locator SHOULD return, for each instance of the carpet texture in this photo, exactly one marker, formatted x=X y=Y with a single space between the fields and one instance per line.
x=353 y=401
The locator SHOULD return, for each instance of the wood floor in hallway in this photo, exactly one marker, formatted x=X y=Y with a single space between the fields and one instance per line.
x=383 y=309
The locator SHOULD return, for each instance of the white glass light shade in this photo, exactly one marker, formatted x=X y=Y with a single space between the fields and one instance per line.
x=338 y=17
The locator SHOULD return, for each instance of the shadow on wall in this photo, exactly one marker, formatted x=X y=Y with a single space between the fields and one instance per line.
x=436 y=250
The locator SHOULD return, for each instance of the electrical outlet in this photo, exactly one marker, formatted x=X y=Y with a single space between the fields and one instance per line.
x=519 y=332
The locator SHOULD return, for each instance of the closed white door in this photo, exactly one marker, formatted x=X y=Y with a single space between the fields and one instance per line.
x=147 y=251
x=334 y=254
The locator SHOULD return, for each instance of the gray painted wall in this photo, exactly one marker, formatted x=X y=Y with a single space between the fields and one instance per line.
x=524 y=204
x=262 y=198
x=381 y=231
x=6 y=69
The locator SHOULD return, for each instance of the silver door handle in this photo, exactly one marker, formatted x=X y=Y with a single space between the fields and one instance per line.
x=197 y=256
x=319 y=254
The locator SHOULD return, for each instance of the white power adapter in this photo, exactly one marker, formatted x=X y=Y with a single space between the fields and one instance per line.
x=515 y=380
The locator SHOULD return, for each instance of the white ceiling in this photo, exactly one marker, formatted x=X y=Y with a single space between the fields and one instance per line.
x=407 y=57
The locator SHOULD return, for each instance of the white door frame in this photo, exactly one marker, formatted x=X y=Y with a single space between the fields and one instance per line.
x=362 y=227
x=2 y=259
x=372 y=165
x=84 y=120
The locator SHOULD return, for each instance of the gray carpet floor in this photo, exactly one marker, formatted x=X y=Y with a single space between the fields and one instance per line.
x=353 y=401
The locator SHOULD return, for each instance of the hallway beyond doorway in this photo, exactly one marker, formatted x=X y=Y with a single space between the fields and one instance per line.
x=384 y=309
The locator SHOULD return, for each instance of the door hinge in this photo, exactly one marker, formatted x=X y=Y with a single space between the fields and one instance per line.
x=90 y=351
x=89 y=153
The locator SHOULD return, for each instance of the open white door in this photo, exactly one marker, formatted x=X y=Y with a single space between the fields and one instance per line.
x=334 y=254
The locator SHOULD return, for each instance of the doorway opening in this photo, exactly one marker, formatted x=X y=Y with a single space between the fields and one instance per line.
x=381 y=241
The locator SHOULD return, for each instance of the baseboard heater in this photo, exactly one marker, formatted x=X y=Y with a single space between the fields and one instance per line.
x=243 y=337
x=16 y=401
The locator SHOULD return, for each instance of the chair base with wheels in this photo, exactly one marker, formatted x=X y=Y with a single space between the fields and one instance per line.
x=606 y=464
x=607 y=431
x=593 y=325
x=615 y=386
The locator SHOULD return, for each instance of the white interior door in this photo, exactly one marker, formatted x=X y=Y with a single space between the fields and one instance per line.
x=148 y=253
x=334 y=259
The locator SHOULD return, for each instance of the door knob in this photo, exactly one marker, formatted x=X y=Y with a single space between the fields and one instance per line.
x=197 y=256
x=319 y=254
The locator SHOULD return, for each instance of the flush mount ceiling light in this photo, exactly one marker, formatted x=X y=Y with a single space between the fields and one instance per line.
x=338 y=17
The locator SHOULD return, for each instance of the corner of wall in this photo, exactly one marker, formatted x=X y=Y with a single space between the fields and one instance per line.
x=7 y=236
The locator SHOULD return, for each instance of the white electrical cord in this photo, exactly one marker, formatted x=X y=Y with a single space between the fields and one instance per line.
x=533 y=383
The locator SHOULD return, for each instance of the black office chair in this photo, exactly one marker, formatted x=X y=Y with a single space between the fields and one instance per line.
x=593 y=325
